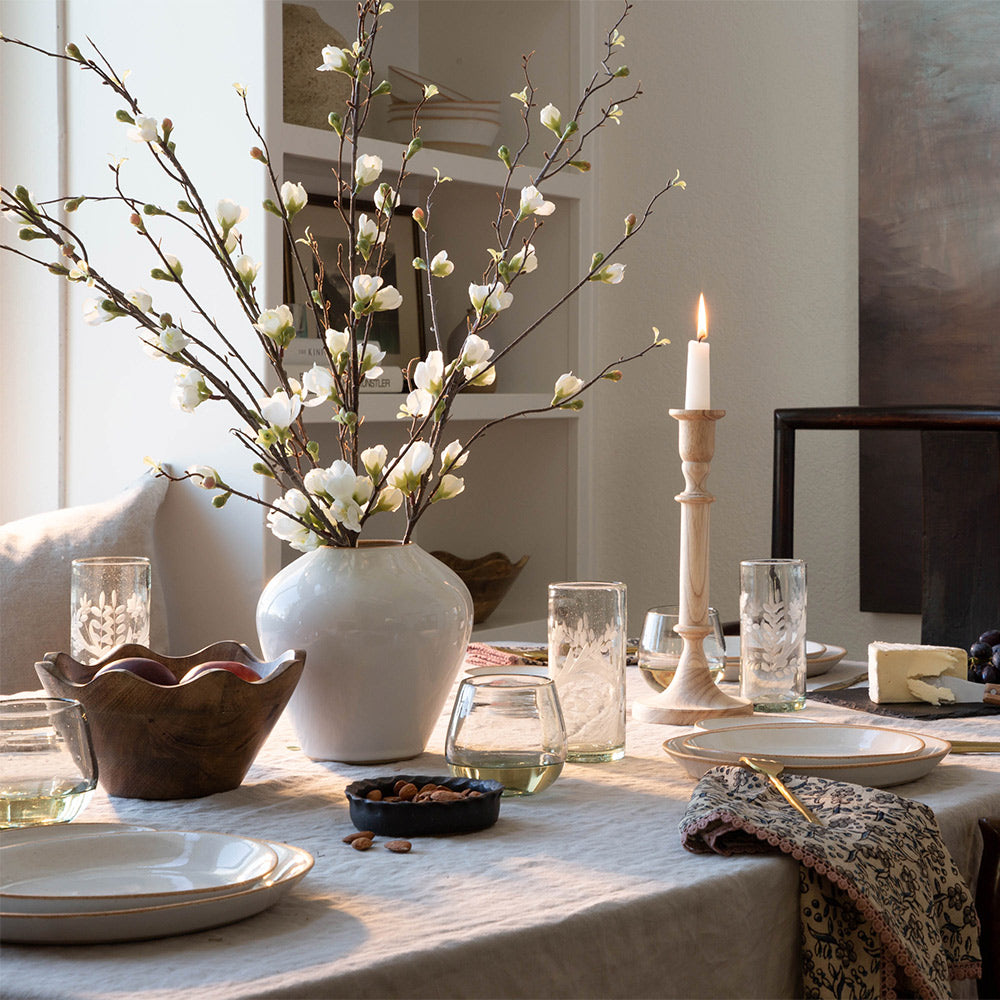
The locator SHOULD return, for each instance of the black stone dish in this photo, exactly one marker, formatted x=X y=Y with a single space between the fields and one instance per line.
x=423 y=819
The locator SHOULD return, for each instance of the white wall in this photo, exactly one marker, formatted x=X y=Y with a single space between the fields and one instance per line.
x=756 y=102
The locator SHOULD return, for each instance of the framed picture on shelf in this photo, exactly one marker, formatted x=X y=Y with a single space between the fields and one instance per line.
x=398 y=332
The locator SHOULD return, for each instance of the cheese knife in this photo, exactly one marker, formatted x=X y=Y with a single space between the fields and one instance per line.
x=966 y=691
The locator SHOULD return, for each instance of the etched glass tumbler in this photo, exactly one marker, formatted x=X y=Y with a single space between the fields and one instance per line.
x=587 y=662
x=47 y=764
x=773 y=634
x=109 y=605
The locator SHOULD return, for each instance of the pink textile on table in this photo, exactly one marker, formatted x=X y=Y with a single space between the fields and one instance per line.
x=479 y=654
x=882 y=905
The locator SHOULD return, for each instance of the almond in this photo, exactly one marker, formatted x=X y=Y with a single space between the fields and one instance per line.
x=357 y=835
x=374 y=795
x=399 y=846
x=362 y=843
x=407 y=792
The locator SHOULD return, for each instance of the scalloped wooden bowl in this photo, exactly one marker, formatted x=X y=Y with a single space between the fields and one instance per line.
x=156 y=741
x=488 y=578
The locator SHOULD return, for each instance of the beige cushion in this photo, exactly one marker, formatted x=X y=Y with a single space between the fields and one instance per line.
x=36 y=554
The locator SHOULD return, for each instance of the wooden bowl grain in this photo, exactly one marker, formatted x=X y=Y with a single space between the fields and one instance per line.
x=488 y=578
x=179 y=741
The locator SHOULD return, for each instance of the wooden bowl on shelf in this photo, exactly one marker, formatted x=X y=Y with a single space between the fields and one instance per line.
x=488 y=578
x=175 y=741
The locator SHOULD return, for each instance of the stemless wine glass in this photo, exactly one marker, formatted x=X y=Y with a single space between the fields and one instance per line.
x=660 y=647
x=47 y=765
x=507 y=728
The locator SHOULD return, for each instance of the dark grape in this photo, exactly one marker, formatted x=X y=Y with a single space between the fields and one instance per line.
x=991 y=637
x=995 y=658
x=991 y=674
x=980 y=651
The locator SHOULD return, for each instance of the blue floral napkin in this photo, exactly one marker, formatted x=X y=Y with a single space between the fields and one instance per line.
x=883 y=907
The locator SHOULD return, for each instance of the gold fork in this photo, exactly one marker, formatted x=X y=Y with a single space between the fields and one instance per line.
x=771 y=769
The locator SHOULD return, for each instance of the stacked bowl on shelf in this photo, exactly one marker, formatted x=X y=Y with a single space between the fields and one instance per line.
x=449 y=120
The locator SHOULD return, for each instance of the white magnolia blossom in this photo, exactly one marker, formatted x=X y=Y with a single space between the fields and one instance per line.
x=368 y=234
x=232 y=240
x=386 y=199
x=246 y=268
x=611 y=274
x=367 y=169
x=336 y=60
x=450 y=486
x=475 y=350
x=489 y=299
x=370 y=296
x=524 y=261
x=480 y=374
x=320 y=384
x=174 y=266
x=280 y=410
x=146 y=129
x=374 y=459
x=371 y=360
x=189 y=389
x=277 y=324
x=337 y=343
x=338 y=482
x=551 y=118
x=95 y=313
x=453 y=457
x=566 y=385
x=440 y=266
x=532 y=203
x=283 y=524
x=429 y=374
x=204 y=475
x=229 y=213
x=414 y=460
x=293 y=197
x=167 y=342
x=79 y=270
x=418 y=403
x=389 y=498
x=141 y=299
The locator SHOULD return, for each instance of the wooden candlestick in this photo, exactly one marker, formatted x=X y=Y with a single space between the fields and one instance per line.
x=693 y=693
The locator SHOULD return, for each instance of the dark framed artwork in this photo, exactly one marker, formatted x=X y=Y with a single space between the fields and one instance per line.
x=399 y=332
x=929 y=253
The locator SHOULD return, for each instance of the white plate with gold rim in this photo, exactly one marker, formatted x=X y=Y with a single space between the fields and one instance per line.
x=820 y=657
x=129 y=868
x=805 y=743
x=145 y=922
x=873 y=774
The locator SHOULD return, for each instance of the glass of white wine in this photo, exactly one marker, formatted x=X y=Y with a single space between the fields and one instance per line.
x=507 y=728
x=660 y=647
x=48 y=770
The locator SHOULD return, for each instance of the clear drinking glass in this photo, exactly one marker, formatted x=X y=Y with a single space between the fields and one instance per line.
x=109 y=605
x=507 y=728
x=773 y=633
x=47 y=765
x=660 y=647
x=587 y=663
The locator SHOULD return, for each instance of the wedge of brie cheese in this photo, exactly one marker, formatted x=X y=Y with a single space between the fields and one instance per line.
x=900 y=671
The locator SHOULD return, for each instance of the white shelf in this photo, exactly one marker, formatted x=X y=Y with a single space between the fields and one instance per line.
x=381 y=407
x=312 y=149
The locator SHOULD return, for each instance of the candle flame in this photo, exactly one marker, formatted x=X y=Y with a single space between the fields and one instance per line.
x=702 y=319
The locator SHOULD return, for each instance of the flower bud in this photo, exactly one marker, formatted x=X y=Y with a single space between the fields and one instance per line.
x=256 y=153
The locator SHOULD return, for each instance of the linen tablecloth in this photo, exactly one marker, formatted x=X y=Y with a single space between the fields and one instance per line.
x=581 y=891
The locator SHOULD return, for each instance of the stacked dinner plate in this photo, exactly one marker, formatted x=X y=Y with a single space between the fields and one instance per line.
x=449 y=121
x=820 y=657
x=865 y=755
x=102 y=882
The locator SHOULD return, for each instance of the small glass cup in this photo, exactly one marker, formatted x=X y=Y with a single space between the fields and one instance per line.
x=773 y=634
x=586 y=630
x=109 y=605
x=507 y=728
x=660 y=647
x=48 y=770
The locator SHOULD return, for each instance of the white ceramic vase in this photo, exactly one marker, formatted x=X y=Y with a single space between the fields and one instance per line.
x=384 y=627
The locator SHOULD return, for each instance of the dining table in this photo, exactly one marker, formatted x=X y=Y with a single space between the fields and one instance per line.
x=583 y=890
